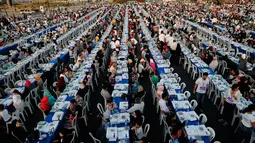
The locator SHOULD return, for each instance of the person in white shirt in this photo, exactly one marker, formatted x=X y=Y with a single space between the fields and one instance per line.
x=170 y=40
x=214 y=64
x=162 y=37
x=138 y=130
x=105 y=93
x=65 y=77
x=167 y=37
x=4 y=115
x=200 y=88
x=232 y=95
x=162 y=104
x=77 y=65
x=173 y=46
x=137 y=106
x=247 y=123
x=113 y=46
x=134 y=41
x=17 y=101
x=117 y=43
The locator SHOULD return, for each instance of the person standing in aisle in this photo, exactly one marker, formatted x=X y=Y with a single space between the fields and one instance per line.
x=200 y=88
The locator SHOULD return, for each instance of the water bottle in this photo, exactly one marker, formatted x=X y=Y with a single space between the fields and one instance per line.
x=126 y=123
x=126 y=138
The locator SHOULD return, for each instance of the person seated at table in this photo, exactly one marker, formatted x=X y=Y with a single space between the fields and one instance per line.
x=27 y=89
x=178 y=133
x=137 y=130
x=251 y=96
x=247 y=123
x=110 y=105
x=214 y=64
x=160 y=91
x=233 y=75
x=4 y=116
x=73 y=108
x=104 y=92
x=113 y=68
x=139 y=105
x=163 y=103
x=47 y=101
x=244 y=86
x=7 y=65
x=77 y=65
x=39 y=81
x=17 y=101
x=49 y=75
x=154 y=78
x=207 y=58
x=166 y=53
x=135 y=87
x=19 y=131
x=22 y=55
x=231 y=95
x=143 y=67
x=243 y=62
x=61 y=84
x=63 y=136
x=64 y=76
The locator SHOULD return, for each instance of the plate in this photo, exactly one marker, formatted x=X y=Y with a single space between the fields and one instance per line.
x=42 y=137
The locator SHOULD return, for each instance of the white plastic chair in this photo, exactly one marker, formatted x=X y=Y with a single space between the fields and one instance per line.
x=176 y=75
x=212 y=133
x=39 y=106
x=35 y=95
x=16 y=137
x=73 y=138
x=194 y=72
x=87 y=99
x=142 y=98
x=187 y=94
x=100 y=108
x=171 y=69
x=94 y=139
x=84 y=113
x=74 y=124
x=167 y=130
x=183 y=85
x=27 y=103
x=178 y=79
x=146 y=129
x=236 y=115
x=193 y=104
x=7 y=90
x=143 y=119
x=105 y=101
x=202 y=119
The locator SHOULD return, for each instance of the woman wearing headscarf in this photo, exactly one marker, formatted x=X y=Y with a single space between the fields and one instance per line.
x=73 y=108
x=39 y=81
x=17 y=101
x=61 y=84
x=26 y=90
x=51 y=99
x=135 y=87
x=47 y=101
x=160 y=90
x=214 y=64
x=152 y=64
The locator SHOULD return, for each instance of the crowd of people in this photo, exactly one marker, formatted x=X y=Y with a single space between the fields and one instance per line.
x=170 y=34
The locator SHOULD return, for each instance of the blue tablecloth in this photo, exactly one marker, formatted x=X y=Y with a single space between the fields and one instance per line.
x=64 y=58
x=49 y=139
x=5 y=49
